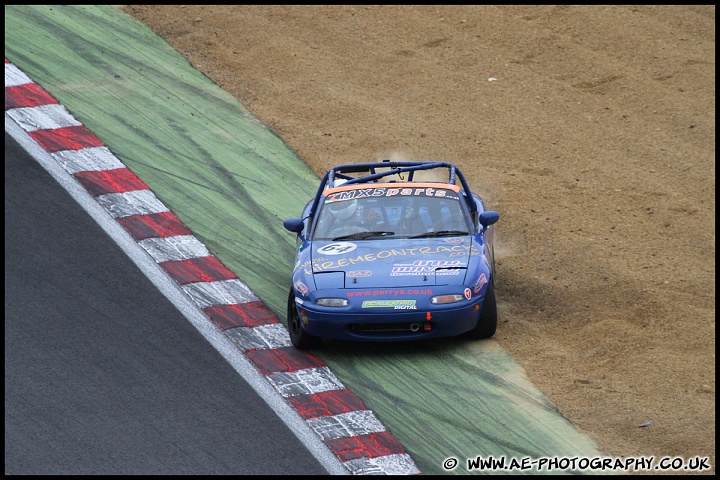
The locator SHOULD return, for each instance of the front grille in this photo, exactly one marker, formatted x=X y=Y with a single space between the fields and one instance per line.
x=410 y=327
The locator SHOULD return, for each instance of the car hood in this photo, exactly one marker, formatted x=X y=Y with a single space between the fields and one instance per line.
x=392 y=263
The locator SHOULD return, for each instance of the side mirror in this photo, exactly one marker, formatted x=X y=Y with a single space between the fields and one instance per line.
x=295 y=225
x=488 y=217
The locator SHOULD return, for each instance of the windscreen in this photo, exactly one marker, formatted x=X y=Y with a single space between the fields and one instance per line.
x=388 y=212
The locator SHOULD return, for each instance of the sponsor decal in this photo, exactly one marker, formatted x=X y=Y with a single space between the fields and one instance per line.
x=319 y=264
x=359 y=273
x=337 y=248
x=389 y=291
x=472 y=253
x=301 y=287
x=468 y=293
x=390 y=192
x=482 y=280
x=394 y=304
x=422 y=267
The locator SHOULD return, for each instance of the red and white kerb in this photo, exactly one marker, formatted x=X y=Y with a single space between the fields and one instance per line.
x=338 y=416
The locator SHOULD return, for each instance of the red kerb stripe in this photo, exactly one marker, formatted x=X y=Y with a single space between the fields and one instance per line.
x=202 y=269
x=365 y=446
x=287 y=359
x=118 y=180
x=27 y=95
x=154 y=225
x=248 y=314
x=68 y=138
x=323 y=404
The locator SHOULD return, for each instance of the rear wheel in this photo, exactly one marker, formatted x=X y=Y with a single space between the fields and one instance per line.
x=299 y=338
x=487 y=323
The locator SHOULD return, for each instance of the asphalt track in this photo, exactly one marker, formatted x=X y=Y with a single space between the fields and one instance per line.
x=232 y=182
x=103 y=374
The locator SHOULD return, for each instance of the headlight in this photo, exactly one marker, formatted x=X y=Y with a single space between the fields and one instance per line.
x=447 y=298
x=332 y=302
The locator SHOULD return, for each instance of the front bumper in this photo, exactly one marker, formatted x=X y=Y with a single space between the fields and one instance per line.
x=390 y=325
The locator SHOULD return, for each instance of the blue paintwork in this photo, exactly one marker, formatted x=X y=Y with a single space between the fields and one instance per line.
x=388 y=280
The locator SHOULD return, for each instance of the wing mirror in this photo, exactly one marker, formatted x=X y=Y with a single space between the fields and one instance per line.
x=488 y=217
x=294 y=225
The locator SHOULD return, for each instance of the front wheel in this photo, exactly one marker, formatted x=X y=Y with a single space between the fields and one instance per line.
x=298 y=336
x=487 y=323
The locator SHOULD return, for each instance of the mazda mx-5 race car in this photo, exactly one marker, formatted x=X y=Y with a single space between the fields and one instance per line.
x=392 y=251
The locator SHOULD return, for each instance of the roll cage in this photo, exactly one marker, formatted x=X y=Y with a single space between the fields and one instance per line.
x=373 y=172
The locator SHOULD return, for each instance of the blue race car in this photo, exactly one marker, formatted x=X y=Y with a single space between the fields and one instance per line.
x=392 y=251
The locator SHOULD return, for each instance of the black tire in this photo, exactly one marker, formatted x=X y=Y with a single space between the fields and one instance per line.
x=298 y=336
x=487 y=323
